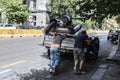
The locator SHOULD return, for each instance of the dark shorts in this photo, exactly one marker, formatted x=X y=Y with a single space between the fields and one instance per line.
x=78 y=54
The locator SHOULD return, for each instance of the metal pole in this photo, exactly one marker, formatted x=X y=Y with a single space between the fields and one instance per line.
x=118 y=42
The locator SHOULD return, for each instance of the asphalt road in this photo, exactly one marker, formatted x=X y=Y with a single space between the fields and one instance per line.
x=91 y=66
x=20 y=55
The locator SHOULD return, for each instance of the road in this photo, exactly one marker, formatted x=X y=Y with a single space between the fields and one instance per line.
x=66 y=72
x=23 y=54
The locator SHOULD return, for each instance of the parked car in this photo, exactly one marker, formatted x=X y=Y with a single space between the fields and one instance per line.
x=39 y=27
x=7 y=26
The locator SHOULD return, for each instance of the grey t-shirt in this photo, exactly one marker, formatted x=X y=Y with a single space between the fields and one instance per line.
x=58 y=39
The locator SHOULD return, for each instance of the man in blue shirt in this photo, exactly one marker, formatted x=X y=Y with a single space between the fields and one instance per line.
x=78 y=52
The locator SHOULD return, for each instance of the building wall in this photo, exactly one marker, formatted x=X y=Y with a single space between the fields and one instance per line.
x=3 y=17
x=40 y=11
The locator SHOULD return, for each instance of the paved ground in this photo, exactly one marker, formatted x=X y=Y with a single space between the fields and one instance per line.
x=113 y=71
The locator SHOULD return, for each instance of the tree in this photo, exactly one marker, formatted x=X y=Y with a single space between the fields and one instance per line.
x=118 y=18
x=15 y=11
x=61 y=6
x=95 y=9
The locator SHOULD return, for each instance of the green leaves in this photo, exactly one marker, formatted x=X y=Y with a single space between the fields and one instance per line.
x=62 y=6
x=95 y=9
x=118 y=18
x=16 y=12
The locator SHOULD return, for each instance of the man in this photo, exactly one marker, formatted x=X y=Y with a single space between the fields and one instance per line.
x=78 y=52
x=55 y=51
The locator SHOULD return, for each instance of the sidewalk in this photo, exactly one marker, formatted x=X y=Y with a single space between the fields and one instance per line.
x=113 y=71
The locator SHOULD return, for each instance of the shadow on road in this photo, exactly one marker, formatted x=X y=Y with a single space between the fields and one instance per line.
x=65 y=67
x=35 y=74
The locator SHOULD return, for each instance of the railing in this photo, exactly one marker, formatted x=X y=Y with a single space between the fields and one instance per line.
x=30 y=32
x=19 y=33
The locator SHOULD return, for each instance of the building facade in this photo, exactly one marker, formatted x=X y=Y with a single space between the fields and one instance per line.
x=38 y=12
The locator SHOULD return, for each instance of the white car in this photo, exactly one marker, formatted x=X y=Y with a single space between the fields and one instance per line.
x=7 y=26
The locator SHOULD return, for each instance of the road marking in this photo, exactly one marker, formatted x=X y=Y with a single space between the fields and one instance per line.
x=12 y=64
x=7 y=73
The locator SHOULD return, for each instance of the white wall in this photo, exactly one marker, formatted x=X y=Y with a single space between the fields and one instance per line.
x=41 y=16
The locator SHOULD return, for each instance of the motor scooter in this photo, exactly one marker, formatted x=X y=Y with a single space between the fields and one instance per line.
x=114 y=38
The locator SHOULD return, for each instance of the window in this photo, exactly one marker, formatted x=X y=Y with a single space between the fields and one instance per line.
x=34 y=17
x=34 y=4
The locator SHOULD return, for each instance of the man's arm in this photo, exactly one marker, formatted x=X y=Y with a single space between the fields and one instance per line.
x=87 y=40
x=64 y=35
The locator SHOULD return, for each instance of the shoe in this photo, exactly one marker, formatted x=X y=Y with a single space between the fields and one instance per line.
x=53 y=70
x=50 y=70
x=82 y=72
x=75 y=70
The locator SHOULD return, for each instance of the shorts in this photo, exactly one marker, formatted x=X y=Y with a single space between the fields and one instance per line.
x=78 y=54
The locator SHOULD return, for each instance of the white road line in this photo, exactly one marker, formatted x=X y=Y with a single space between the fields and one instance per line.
x=7 y=73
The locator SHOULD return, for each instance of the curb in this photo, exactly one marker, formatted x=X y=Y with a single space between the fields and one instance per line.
x=112 y=54
x=100 y=72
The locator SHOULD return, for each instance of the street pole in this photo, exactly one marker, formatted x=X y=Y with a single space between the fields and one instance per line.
x=118 y=42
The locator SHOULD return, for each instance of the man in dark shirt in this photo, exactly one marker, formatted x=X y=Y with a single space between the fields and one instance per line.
x=78 y=52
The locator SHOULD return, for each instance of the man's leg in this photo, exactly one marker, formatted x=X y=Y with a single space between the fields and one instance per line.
x=57 y=57
x=75 y=54
x=82 y=58
x=75 y=65
x=81 y=64
x=52 y=57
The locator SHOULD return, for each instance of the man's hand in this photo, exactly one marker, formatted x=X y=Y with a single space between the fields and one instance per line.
x=65 y=34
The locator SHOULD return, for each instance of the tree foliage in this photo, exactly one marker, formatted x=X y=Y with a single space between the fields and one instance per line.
x=95 y=9
x=61 y=6
x=15 y=11
x=118 y=18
